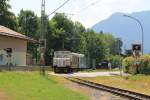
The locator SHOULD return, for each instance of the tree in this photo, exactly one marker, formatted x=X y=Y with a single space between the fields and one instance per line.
x=7 y=18
x=29 y=24
x=95 y=47
x=112 y=45
x=64 y=34
x=118 y=45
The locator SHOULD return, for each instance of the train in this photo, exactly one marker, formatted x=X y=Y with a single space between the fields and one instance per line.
x=67 y=61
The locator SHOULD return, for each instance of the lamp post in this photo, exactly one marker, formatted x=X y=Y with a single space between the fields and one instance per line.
x=138 y=21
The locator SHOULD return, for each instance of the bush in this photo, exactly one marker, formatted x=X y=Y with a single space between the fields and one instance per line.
x=116 y=60
x=144 y=67
x=137 y=66
x=128 y=65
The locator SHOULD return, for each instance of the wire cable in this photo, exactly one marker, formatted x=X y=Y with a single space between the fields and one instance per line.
x=58 y=7
x=91 y=4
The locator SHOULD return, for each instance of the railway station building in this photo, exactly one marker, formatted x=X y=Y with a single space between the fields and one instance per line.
x=13 y=47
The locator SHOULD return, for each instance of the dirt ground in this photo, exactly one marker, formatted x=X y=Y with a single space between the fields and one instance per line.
x=3 y=96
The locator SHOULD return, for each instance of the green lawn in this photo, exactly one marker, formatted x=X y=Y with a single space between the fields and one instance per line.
x=137 y=83
x=32 y=86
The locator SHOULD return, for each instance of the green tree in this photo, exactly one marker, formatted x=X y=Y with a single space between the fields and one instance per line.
x=95 y=48
x=29 y=24
x=118 y=44
x=112 y=45
x=64 y=34
x=7 y=18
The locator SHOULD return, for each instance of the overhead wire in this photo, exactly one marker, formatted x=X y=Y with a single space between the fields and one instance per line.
x=83 y=9
x=59 y=7
x=89 y=5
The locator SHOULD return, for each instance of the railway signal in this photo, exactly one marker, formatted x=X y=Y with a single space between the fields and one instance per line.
x=136 y=47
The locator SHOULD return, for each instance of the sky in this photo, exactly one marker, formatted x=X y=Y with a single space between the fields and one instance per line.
x=88 y=12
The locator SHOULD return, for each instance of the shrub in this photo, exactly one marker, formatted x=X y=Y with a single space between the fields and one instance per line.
x=144 y=67
x=128 y=65
x=137 y=66
x=115 y=60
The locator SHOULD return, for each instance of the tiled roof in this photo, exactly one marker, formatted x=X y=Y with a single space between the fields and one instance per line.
x=8 y=32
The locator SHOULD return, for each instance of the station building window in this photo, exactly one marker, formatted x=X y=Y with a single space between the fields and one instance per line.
x=1 y=57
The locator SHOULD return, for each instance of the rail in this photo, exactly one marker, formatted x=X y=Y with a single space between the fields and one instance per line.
x=118 y=91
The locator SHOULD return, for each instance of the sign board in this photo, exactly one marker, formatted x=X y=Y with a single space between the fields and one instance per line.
x=136 y=47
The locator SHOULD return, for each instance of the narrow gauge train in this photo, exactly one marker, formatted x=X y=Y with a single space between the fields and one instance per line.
x=66 y=61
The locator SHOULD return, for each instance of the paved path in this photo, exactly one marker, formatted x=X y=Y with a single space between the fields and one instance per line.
x=88 y=74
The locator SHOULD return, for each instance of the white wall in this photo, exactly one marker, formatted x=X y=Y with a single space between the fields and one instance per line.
x=19 y=48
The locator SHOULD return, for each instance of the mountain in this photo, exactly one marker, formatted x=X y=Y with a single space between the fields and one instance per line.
x=127 y=29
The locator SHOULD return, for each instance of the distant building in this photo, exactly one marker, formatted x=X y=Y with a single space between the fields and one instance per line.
x=16 y=43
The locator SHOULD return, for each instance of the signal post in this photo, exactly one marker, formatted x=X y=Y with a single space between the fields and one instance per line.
x=136 y=48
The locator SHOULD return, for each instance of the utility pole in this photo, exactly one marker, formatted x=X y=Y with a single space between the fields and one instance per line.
x=42 y=38
x=43 y=18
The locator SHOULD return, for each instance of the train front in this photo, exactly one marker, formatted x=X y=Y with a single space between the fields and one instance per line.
x=62 y=61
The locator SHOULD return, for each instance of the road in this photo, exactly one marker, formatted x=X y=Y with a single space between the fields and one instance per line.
x=88 y=74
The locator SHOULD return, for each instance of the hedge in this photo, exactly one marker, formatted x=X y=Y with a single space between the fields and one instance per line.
x=115 y=60
x=140 y=65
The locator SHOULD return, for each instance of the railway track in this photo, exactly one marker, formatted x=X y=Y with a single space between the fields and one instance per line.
x=125 y=93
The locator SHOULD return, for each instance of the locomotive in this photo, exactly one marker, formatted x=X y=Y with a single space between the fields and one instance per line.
x=67 y=61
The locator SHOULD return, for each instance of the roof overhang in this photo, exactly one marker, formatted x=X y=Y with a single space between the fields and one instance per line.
x=19 y=37
x=11 y=33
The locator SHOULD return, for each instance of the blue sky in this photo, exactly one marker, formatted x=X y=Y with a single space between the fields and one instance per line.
x=88 y=12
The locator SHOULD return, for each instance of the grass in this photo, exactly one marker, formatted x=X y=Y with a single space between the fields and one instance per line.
x=32 y=86
x=137 y=83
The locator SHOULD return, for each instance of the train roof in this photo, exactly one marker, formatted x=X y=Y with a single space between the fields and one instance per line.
x=69 y=52
x=62 y=52
x=78 y=54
